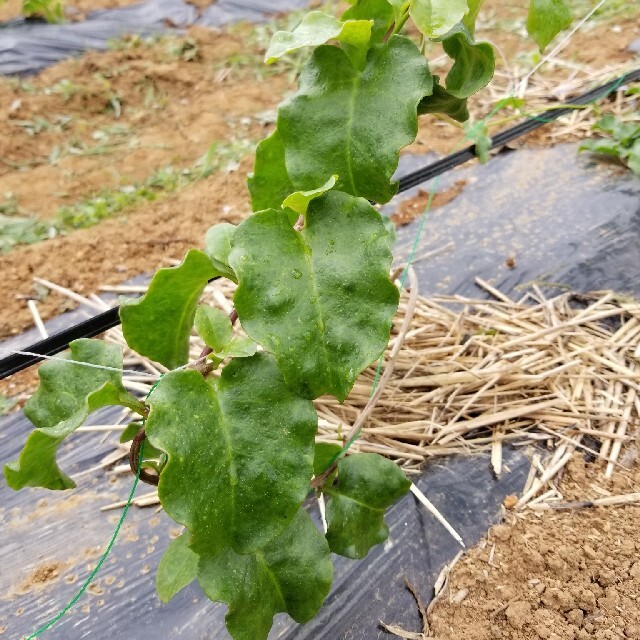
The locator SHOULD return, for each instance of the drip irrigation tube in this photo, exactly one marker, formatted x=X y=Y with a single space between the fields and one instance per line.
x=109 y=319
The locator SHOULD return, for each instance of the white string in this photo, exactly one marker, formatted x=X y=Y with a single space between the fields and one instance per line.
x=97 y=366
x=556 y=49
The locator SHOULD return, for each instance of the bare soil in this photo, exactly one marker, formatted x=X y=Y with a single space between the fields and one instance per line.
x=107 y=120
x=555 y=575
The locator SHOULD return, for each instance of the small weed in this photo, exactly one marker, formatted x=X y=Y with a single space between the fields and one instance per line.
x=16 y=228
x=6 y=404
x=622 y=140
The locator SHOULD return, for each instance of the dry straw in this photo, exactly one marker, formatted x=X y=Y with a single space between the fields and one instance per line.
x=474 y=374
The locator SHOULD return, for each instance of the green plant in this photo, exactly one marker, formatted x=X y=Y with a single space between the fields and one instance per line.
x=623 y=141
x=237 y=427
x=50 y=10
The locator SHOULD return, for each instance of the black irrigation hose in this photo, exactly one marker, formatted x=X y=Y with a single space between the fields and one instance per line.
x=109 y=319
x=502 y=138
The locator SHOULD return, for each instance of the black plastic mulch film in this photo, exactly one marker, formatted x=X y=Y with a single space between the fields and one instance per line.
x=109 y=319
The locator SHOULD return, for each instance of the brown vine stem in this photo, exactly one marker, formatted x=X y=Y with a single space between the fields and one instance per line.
x=319 y=481
x=134 y=459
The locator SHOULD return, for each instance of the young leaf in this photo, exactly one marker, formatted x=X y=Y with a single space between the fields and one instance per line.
x=215 y=328
x=469 y=20
x=367 y=485
x=325 y=454
x=292 y=574
x=340 y=115
x=178 y=568
x=68 y=393
x=269 y=184
x=435 y=18
x=240 y=453
x=441 y=101
x=317 y=28
x=478 y=133
x=605 y=146
x=130 y=431
x=299 y=201
x=380 y=11
x=473 y=67
x=633 y=158
x=546 y=19
x=320 y=299
x=158 y=324
x=217 y=245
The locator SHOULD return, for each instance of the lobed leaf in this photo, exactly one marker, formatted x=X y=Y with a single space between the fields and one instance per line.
x=367 y=485
x=318 y=28
x=217 y=246
x=269 y=184
x=177 y=568
x=435 y=18
x=441 y=101
x=474 y=64
x=215 y=328
x=354 y=123
x=291 y=574
x=158 y=324
x=240 y=453
x=67 y=394
x=320 y=299
x=546 y=19
x=380 y=11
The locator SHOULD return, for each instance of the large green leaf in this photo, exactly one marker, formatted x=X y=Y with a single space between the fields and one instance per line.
x=354 y=123
x=380 y=11
x=367 y=485
x=546 y=19
x=269 y=184
x=441 y=101
x=292 y=574
x=240 y=453
x=317 y=28
x=473 y=67
x=177 y=568
x=435 y=18
x=320 y=299
x=158 y=324
x=217 y=245
x=215 y=328
x=68 y=393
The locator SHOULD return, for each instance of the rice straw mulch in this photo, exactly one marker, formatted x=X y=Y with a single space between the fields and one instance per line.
x=469 y=375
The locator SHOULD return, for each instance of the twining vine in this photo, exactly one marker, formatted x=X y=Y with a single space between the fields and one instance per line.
x=231 y=441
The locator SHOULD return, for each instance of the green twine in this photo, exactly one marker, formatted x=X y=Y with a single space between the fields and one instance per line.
x=500 y=105
x=92 y=575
